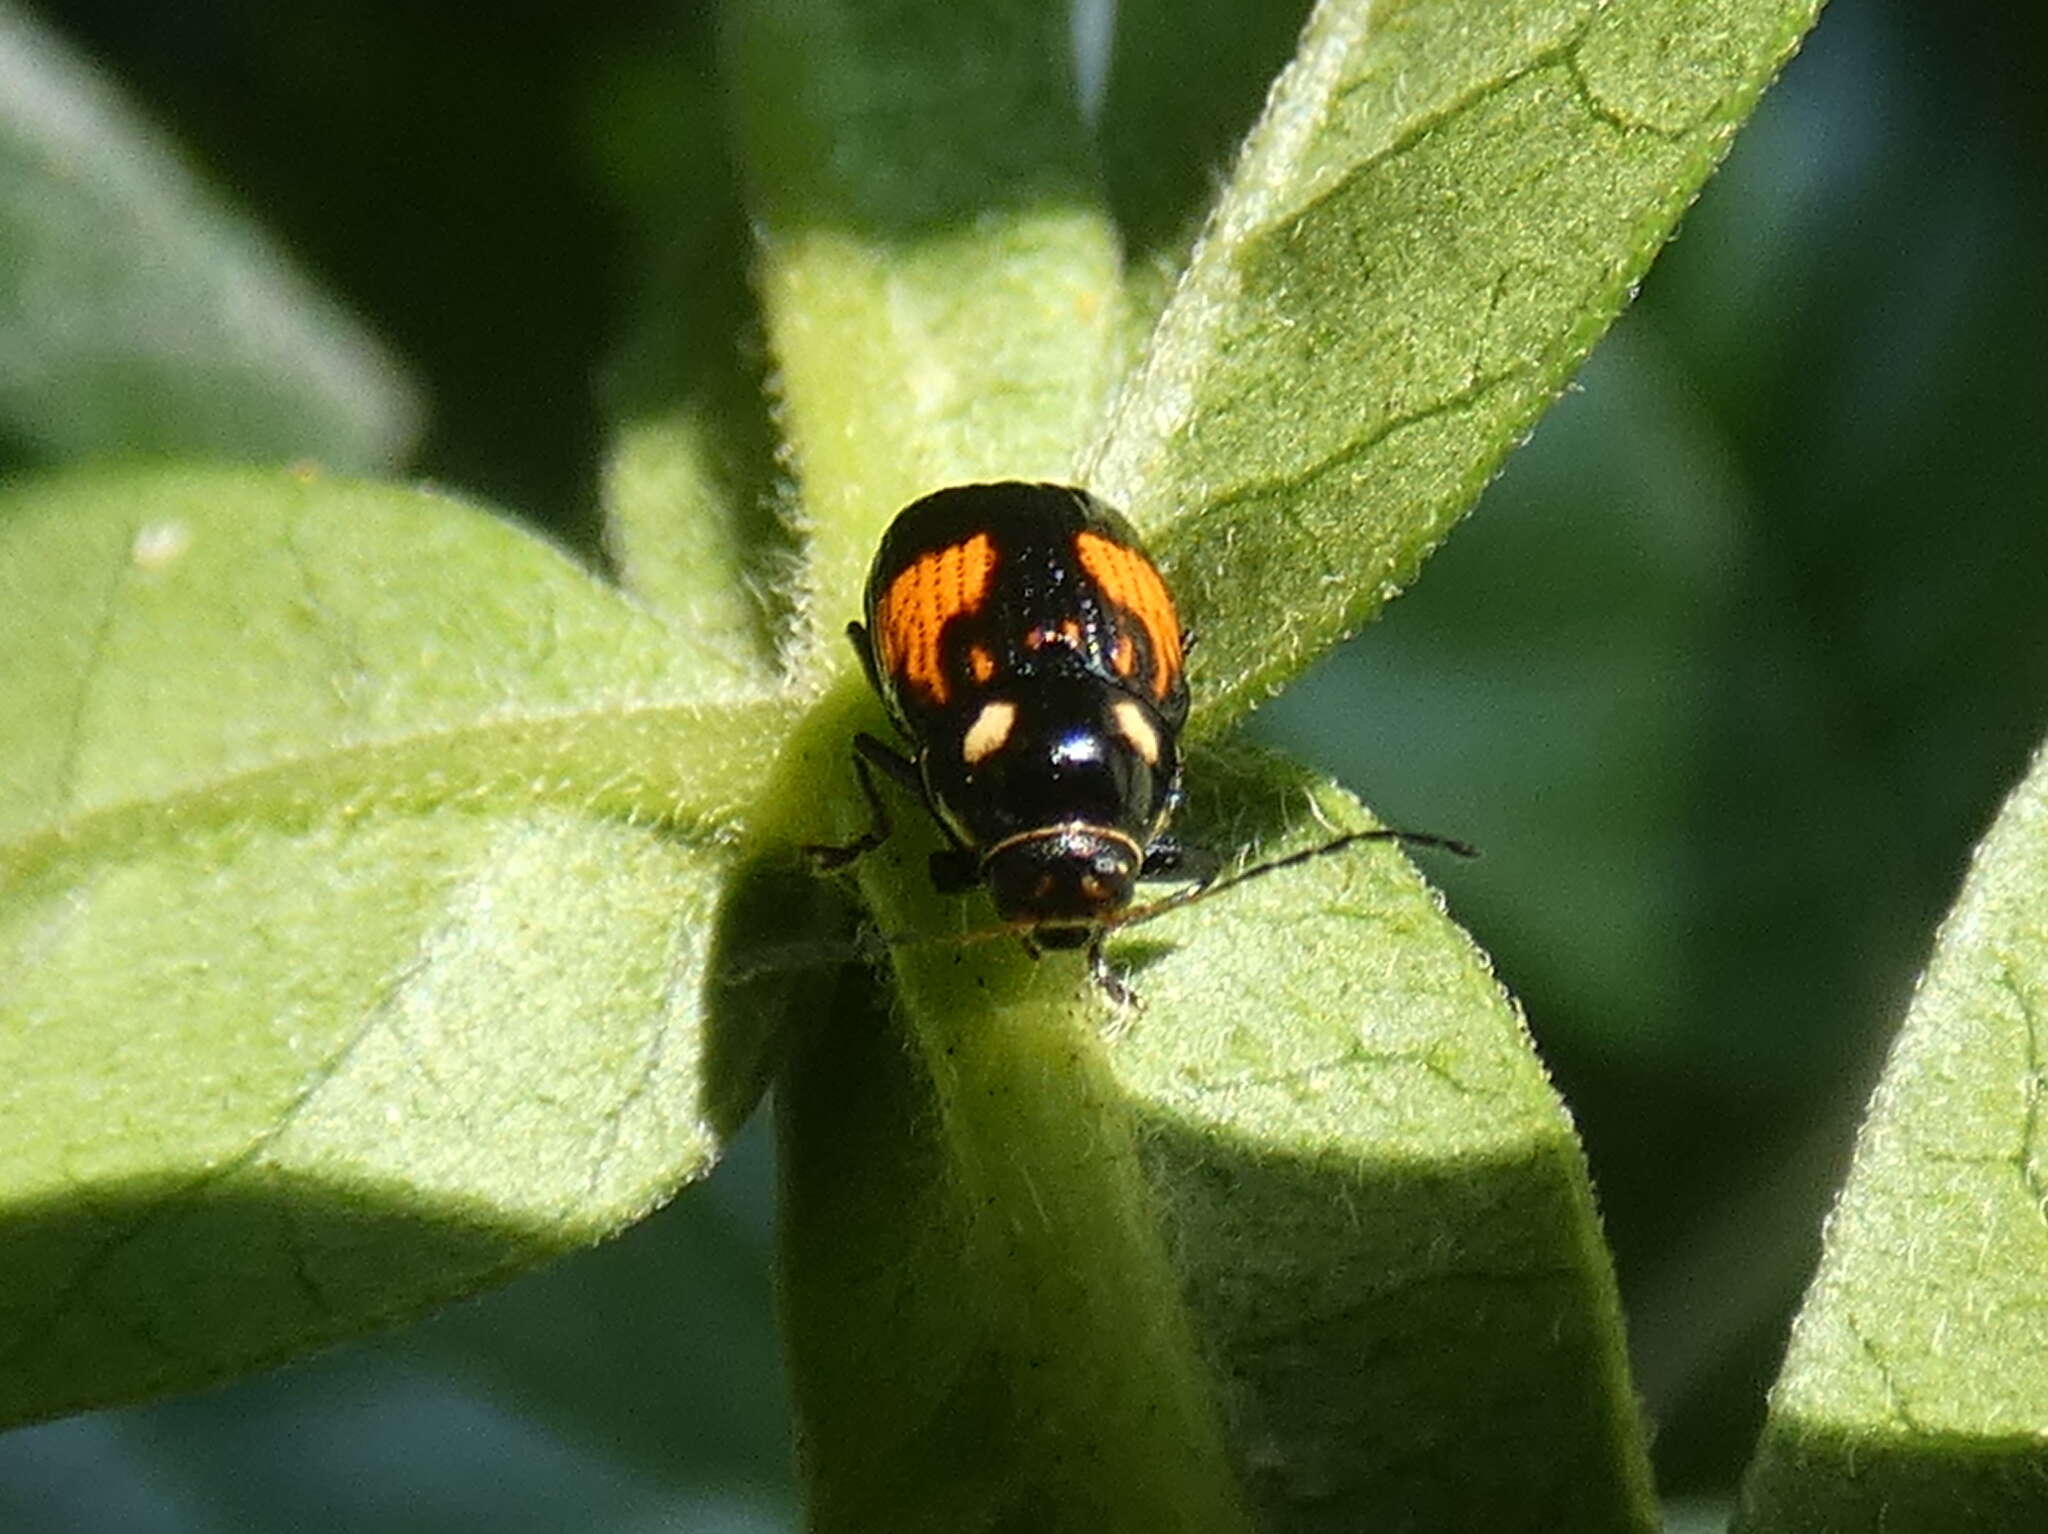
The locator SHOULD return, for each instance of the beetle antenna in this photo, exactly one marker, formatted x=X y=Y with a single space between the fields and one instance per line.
x=1138 y=915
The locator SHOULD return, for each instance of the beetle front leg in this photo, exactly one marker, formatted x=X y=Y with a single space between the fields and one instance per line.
x=826 y=856
x=955 y=870
x=1107 y=980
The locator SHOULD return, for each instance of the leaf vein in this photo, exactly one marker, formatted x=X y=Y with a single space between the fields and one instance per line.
x=183 y=1197
x=1465 y=396
x=2034 y=1090
x=338 y=634
x=1895 y=1396
x=70 y=762
x=1427 y=125
x=684 y=969
x=1614 y=117
x=525 y=758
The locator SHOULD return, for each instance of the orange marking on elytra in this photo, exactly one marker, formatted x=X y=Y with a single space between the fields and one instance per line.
x=933 y=588
x=1132 y=582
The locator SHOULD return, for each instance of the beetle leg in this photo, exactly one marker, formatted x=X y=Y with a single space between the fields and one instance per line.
x=867 y=754
x=858 y=637
x=901 y=769
x=955 y=870
x=1106 y=979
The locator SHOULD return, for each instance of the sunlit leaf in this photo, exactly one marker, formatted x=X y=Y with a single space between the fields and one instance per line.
x=1316 y=1197
x=1915 y=1393
x=363 y=908
x=1441 y=211
x=939 y=275
x=1215 y=1273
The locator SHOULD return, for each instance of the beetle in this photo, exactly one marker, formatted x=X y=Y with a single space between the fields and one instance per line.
x=1029 y=652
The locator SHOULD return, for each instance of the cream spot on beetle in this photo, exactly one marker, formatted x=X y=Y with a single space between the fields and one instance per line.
x=1138 y=730
x=991 y=728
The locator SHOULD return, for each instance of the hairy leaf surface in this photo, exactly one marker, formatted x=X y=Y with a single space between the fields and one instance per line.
x=1915 y=1391
x=362 y=901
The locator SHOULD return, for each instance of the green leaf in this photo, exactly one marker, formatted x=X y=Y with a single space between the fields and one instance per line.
x=938 y=274
x=1505 y=656
x=1312 y=1246
x=1316 y=1201
x=141 y=315
x=1915 y=1390
x=1187 y=79
x=1442 y=209
x=368 y=919
x=690 y=476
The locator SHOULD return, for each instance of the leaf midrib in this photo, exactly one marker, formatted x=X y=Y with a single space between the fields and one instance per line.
x=500 y=760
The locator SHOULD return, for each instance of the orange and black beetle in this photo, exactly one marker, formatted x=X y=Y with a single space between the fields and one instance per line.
x=1029 y=651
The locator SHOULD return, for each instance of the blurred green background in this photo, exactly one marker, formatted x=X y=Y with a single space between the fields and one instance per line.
x=1726 y=675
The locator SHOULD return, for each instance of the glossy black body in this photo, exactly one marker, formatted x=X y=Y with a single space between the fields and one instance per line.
x=1068 y=810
